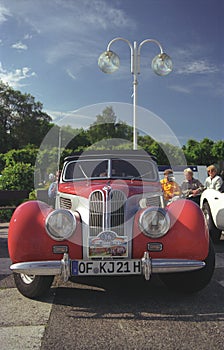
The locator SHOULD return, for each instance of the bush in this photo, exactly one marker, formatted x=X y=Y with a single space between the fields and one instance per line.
x=17 y=177
x=33 y=195
x=2 y=162
x=5 y=215
x=24 y=155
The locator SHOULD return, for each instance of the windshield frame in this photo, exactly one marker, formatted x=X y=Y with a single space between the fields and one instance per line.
x=109 y=165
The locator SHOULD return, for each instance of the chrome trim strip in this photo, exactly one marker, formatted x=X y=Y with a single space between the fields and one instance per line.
x=175 y=265
x=45 y=268
x=38 y=267
x=150 y=265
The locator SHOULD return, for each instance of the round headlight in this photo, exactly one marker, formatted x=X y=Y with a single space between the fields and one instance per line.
x=154 y=222
x=60 y=224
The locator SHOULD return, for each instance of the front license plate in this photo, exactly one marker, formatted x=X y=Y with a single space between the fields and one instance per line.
x=100 y=267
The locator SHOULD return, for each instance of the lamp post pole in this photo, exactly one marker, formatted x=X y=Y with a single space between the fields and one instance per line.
x=135 y=86
x=109 y=62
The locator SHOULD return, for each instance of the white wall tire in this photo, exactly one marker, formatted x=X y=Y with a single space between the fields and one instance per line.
x=32 y=286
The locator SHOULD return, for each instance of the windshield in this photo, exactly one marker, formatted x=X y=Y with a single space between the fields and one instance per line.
x=110 y=168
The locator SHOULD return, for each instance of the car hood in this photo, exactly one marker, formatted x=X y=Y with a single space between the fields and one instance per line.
x=129 y=187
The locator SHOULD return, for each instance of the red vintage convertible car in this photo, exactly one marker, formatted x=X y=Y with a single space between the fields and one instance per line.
x=110 y=220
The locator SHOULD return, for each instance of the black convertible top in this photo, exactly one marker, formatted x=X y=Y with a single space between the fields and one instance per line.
x=108 y=154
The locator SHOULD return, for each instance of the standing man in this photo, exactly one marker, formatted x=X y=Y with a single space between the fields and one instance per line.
x=213 y=180
x=53 y=188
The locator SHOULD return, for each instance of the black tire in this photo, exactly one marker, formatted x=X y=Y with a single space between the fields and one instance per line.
x=214 y=232
x=191 y=281
x=32 y=286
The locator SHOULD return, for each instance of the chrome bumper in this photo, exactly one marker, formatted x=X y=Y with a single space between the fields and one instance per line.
x=45 y=268
x=149 y=266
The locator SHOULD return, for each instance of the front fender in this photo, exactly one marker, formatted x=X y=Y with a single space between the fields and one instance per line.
x=188 y=237
x=28 y=239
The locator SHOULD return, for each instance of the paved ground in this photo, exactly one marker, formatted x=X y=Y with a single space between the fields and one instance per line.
x=22 y=321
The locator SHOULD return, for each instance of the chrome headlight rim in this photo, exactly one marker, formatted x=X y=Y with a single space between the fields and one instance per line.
x=68 y=227
x=158 y=212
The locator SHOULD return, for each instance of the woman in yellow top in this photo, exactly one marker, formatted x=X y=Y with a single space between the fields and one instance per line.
x=169 y=186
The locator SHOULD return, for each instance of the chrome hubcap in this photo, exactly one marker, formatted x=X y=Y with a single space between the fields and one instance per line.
x=28 y=279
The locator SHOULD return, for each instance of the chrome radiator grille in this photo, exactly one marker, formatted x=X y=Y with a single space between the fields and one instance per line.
x=106 y=213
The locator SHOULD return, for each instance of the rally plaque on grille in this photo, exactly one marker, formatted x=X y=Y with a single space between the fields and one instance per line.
x=108 y=244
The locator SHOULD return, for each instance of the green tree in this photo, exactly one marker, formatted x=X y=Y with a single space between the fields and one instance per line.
x=75 y=139
x=158 y=152
x=107 y=126
x=218 y=150
x=22 y=120
x=218 y=153
x=199 y=152
x=206 y=156
x=164 y=152
x=46 y=162
x=192 y=151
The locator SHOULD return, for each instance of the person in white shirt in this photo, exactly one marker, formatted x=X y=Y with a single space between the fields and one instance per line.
x=213 y=181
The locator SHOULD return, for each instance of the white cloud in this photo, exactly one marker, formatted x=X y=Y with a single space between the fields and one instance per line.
x=100 y=13
x=197 y=67
x=27 y=36
x=15 y=77
x=180 y=88
x=67 y=28
x=79 y=16
x=55 y=115
x=194 y=60
x=62 y=50
x=81 y=118
x=76 y=54
x=4 y=13
x=70 y=74
x=19 y=46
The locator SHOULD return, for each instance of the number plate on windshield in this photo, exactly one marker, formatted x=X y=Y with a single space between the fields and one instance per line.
x=100 y=267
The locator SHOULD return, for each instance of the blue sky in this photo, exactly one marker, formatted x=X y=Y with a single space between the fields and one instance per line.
x=49 y=48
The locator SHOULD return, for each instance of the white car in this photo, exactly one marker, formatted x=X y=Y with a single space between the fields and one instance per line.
x=212 y=205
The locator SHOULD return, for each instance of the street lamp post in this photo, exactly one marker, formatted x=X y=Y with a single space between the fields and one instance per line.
x=109 y=62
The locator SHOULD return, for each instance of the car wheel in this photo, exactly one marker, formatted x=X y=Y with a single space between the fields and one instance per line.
x=32 y=286
x=214 y=232
x=191 y=281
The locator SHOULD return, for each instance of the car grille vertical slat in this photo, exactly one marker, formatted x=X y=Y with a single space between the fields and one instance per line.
x=118 y=200
x=96 y=213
